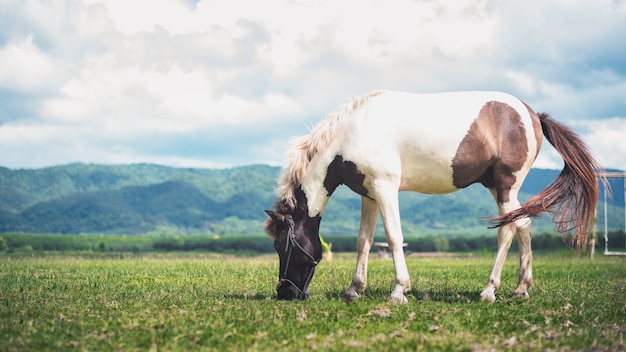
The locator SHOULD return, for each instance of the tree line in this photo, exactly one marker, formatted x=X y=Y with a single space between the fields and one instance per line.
x=260 y=244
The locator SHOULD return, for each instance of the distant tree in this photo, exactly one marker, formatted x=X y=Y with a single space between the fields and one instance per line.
x=441 y=244
x=3 y=245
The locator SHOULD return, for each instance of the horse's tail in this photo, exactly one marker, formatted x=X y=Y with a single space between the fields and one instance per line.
x=573 y=195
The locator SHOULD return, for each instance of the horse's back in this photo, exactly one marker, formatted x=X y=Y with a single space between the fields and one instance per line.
x=419 y=135
x=437 y=112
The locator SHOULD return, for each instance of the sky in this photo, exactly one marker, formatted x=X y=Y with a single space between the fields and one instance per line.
x=227 y=83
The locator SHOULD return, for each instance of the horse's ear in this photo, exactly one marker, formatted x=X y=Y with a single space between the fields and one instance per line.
x=276 y=216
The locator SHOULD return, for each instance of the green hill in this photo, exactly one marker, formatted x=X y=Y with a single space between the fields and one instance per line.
x=143 y=198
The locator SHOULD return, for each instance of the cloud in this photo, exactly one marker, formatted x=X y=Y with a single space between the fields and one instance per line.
x=25 y=68
x=143 y=81
x=606 y=139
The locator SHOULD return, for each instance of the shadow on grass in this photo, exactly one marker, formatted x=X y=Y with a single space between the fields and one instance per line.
x=382 y=295
x=446 y=296
x=421 y=295
x=250 y=297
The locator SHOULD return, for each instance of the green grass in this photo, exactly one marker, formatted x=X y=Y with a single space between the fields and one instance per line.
x=209 y=302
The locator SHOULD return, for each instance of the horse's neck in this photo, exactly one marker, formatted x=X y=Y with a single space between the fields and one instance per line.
x=313 y=186
x=316 y=197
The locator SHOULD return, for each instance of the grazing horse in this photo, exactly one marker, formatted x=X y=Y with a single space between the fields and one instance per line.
x=385 y=141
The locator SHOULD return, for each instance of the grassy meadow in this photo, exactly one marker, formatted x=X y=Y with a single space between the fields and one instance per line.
x=203 y=301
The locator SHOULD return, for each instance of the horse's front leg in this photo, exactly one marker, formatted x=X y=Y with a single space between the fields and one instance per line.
x=390 y=210
x=369 y=215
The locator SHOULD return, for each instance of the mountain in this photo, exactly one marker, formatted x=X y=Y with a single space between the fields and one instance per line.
x=144 y=198
x=81 y=198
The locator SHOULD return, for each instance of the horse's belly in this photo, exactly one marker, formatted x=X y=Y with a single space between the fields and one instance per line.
x=428 y=176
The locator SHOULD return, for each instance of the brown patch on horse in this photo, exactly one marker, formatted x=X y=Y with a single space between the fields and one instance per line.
x=340 y=172
x=494 y=148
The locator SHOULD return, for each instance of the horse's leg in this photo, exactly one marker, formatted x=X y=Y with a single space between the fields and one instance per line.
x=389 y=208
x=520 y=229
x=525 y=258
x=369 y=216
x=505 y=237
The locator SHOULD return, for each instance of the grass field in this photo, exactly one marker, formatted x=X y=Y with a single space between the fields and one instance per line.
x=203 y=301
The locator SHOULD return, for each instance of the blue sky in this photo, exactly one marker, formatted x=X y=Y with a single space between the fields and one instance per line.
x=224 y=83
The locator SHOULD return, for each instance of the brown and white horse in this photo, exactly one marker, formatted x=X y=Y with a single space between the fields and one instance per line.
x=385 y=141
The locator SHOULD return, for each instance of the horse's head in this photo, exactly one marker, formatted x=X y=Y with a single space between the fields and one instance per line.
x=297 y=242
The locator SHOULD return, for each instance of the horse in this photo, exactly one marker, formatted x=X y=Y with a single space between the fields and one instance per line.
x=383 y=142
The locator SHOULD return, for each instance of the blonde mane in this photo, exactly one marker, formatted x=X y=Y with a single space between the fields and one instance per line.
x=304 y=148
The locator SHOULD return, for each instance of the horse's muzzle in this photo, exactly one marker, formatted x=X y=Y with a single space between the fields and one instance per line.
x=288 y=291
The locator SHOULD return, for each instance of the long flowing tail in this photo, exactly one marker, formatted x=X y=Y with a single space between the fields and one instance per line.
x=573 y=195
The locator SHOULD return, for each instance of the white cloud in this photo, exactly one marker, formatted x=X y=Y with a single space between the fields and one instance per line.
x=606 y=139
x=131 y=17
x=24 y=67
x=85 y=80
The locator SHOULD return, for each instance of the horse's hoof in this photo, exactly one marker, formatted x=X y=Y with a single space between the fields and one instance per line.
x=398 y=300
x=350 y=296
x=522 y=295
x=488 y=296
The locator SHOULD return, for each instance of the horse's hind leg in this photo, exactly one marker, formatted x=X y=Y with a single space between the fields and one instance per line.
x=369 y=215
x=520 y=229
x=505 y=237
x=525 y=258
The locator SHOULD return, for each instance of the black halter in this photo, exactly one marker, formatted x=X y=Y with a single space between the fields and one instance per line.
x=291 y=243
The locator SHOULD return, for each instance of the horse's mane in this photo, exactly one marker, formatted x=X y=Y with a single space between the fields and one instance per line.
x=304 y=148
